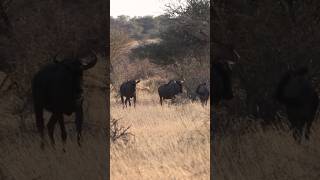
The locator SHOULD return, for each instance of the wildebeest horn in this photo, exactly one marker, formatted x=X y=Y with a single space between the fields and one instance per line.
x=137 y=81
x=230 y=62
x=91 y=63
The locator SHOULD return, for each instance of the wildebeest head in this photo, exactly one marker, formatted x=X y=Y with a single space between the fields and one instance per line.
x=180 y=85
x=202 y=89
x=202 y=85
x=133 y=82
x=78 y=64
x=129 y=87
x=296 y=93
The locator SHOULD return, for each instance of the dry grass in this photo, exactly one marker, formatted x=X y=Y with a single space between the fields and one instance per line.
x=171 y=142
x=20 y=154
x=267 y=154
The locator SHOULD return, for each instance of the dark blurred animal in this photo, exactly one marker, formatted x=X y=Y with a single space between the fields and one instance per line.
x=57 y=89
x=169 y=90
x=128 y=90
x=296 y=93
x=222 y=83
x=203 y=93
x=225 y=55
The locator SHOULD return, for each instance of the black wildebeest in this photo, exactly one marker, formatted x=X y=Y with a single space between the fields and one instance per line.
x=57 y=89
x=128 y=90
x=169 y=90
x=296 y=93
x=203 y=93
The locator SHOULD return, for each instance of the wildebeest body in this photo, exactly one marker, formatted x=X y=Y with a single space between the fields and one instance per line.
x=55 y=84
x=222 y=85
x=128 y=90
x=169 y=90
x=296 y=92
x=203 y=93
x=57 y=88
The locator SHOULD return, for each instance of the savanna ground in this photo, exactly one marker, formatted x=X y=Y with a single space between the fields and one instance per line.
x=20 y=154
x=250 y=151
x=169 y=142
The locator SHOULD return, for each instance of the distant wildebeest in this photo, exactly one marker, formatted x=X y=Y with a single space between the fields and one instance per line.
x=225 y=55
x=203 y=93
x=57 y=89
x=296 y=93
x=128 y=90
x=169 y=90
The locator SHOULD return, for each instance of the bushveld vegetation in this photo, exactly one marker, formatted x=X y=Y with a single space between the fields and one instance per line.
x=253 y=140
x=170 y=141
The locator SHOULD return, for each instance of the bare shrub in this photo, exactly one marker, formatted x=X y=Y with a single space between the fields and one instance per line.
x=119 y=132
x=118 y=44
x=127 y=69
x=119 y=47
x=193 y=71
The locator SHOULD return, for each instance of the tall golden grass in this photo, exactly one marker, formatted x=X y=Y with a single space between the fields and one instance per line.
x=265 y=153
x=170 y=141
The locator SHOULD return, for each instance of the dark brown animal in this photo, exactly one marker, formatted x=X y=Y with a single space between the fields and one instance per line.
x=203 y=93
x=296 y=92
x=170 y=90
x=57 y=88
x=128 y=90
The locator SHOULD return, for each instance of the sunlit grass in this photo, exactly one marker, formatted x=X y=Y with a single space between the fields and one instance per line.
x=171 y=141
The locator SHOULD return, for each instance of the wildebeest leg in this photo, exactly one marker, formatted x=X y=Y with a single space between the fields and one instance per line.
x=63 y=130
x=307 y=130
x=134 y=100
x=122 y=101
x=79 y=120
x=173 y=99
x=126 y=101
x=161 y=101
x=51 y=124
x=297 y=134
x=202 y=103
x=40 y=124
x=129 y=101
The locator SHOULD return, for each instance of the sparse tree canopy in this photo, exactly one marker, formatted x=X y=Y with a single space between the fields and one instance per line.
x=184 y=32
